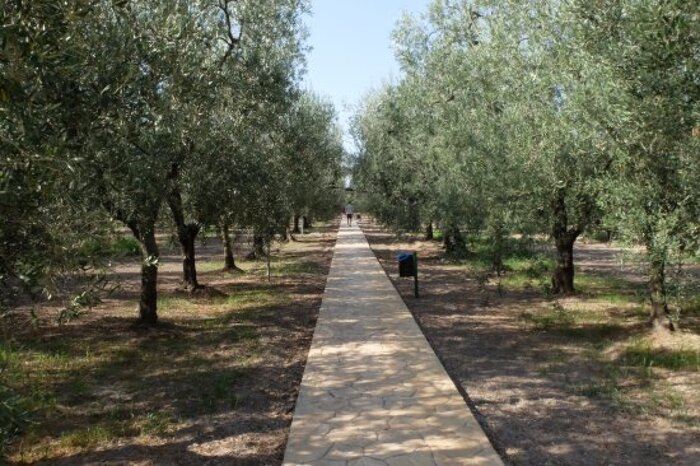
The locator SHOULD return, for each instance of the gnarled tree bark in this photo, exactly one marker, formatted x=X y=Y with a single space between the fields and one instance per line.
x=186 y=234
x=145 y=235
x=148 y=302
x=565 y=236
x=563 y=275
x=660 y=318
x=229 y=260
x=142 y=225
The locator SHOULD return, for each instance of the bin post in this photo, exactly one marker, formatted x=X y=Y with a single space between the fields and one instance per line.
x=415 y=274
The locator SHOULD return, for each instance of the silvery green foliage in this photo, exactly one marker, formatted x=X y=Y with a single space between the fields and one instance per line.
x=651 y=52
x=538 y=117
x=105 y=106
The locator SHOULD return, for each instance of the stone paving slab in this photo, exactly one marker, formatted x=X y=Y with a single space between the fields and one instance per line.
x=374 y=393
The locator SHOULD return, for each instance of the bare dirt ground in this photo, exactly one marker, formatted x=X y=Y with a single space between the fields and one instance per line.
x=549 y=388
x=214 y=383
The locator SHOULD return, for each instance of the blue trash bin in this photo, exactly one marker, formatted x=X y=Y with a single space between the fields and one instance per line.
x=407 y=266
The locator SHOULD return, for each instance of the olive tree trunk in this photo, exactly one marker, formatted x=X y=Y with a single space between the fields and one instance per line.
x=186 y=235
x=142 y=225
x=229 y=260
x=565 y=236
x=429 y=234
x=148 y=303
x=497 y=233
x=455 y=245
x=258 y=250
x=660 y=317
x=563 y=275
x=145 y=235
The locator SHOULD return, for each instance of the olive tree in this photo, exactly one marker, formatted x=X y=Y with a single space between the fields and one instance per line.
x=252 y=87
x=110 y=107
x=650 y=50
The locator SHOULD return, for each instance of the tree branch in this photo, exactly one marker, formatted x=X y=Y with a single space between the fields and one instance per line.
x=232 y=41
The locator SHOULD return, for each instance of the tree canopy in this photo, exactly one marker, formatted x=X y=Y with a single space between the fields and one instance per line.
x=117 y=111
x=551 y=118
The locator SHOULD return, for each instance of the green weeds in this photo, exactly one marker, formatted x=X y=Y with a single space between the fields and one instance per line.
x=156 y=422
x=636 y=389
x=691 y=306
x=620 y=297
x=250 y=297
x=580 y=323
x=109 y=247
x=218 y=389
x=641 y=354
x=78 y=387
x=14 y=415
x=90 y=436
x=594 y=284
x=519 y=263
x=627 y=375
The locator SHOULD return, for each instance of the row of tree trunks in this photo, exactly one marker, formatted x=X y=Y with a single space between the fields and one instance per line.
x=187 y=235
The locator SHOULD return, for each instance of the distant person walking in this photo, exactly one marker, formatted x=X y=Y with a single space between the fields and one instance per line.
x=348 y=213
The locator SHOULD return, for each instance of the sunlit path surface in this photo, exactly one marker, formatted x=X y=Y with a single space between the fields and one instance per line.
x=373 y=391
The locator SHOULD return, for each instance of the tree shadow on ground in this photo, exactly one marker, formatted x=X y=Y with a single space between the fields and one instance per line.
x=538 y=394
x=215 y=382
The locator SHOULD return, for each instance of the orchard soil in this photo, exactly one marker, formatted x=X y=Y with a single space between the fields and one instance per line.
x=549 y=388
x=215 y=382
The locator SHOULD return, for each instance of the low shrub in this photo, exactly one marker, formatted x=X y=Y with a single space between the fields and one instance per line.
x=105 y=247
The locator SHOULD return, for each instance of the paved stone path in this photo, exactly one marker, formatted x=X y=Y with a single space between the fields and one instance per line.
x=373 y=391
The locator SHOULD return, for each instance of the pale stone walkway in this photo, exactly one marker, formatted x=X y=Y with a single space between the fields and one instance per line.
x=373 y=391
